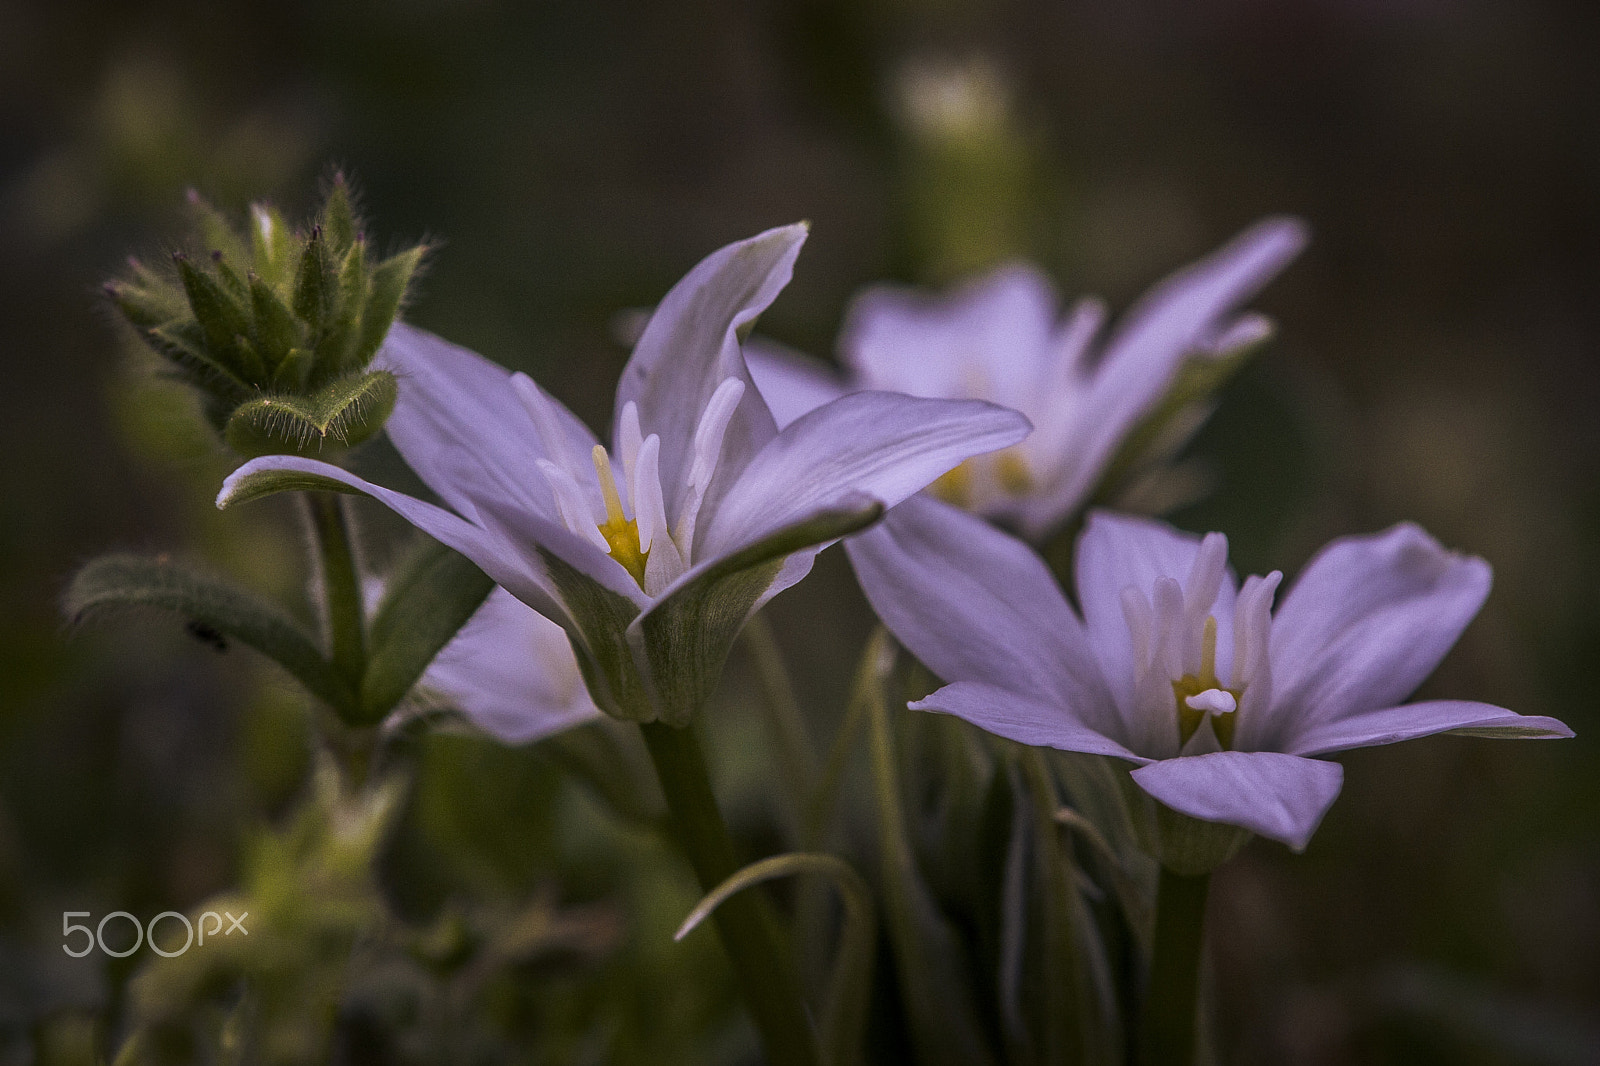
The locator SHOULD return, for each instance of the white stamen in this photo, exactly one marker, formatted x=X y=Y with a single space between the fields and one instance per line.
x=629 y=441
x=547 y=422
x=571 y=503
x=644 y=485
x=1213 y=701
x=708 y=436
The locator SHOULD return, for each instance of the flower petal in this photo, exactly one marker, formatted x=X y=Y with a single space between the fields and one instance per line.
x=502 y=559
x=459 y=424
x=790 y=382
x=882 y=444
x=989 y=339
x=1392 y=724
x=1365 y=624
x=512 y=672
x=1118 y=551
x=1279 y=796
x=1173 y=320
x=977 y=605
x=690 y=346
x=1025 y=719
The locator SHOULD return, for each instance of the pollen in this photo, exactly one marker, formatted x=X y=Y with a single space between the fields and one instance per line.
x=620 y=531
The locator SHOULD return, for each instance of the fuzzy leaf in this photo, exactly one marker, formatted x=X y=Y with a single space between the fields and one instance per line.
x=182 y=344
x=428 y=600
x=276 y=330
x=314 y=283
x=206 y=603
x=844 y=1013
x=386 y=295
x=341 y=414
x=339 y=217
x=218 y=311
x=216 y=232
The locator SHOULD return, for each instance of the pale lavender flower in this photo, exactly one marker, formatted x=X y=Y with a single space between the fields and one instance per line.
x=653 y=553
x=1221 y=702
x=511 y=671
x=1001 y=338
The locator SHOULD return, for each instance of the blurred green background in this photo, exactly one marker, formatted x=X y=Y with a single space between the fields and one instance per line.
x=1437 y=361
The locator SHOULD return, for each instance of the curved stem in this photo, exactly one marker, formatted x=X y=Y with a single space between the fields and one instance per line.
x=1170 y=1007
x=341 y=585
x=761 y=960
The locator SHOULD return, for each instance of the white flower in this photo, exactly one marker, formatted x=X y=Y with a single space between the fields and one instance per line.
x=1220 y=701
x=511 y=671
x=999 y=338
x=651 y=554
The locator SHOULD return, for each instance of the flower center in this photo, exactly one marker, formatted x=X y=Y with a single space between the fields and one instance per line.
x=1199 y=695
x=620 y=531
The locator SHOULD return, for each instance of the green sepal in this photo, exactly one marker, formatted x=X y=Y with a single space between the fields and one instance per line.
x=338 y=221
x=294 y=371
x=1185 y=845
x=216 y=232
x=208 y=604
x=685 y=638
x=315 y=283
x=147 y=306
x=386 y=295
x=427 y=601
x=333 y=353
x=185 y=347
x=844 y=1013
x=276 y=330
x=341 y=414
x=219 y=312
x=601 y=643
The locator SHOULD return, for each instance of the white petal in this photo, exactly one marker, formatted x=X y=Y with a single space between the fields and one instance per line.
x=882 y=444
x=989 y=339
x=691 y=346
x=1279 y=796
x=977 y=605
x=512 y=672
x=567 y=441
x=790 y=382
x=1170 y=322
x=1411 y=720
x=1366 y=623
x=508 y=562
x=459 y=425
x=1023 y=718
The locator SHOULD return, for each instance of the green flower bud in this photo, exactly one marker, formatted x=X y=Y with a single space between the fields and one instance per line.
x=275 y=326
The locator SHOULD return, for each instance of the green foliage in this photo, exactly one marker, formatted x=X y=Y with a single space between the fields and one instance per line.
x=276 y=326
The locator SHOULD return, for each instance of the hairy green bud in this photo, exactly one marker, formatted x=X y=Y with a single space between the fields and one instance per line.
x=276 y=326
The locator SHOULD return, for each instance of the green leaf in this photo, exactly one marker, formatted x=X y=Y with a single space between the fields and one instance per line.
x=386 y=295
x=940 y=1002
x=686 y=637
x=343 y=413
x=292 y=374
x=427 y=601
x=333 y=351
x=844 y=1013
x=216 y=232
x=339 y=216
x=208 y=603
x=183 y=345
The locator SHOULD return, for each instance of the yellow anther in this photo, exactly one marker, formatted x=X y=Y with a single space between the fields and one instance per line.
x=1208 y=651
x=955 y=486
x=620 y=531
x=1011 y=470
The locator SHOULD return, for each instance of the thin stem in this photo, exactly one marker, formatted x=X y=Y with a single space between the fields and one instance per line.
x=797 y=754
x=761 y=959
x=341 y=585
x=1170 y=1007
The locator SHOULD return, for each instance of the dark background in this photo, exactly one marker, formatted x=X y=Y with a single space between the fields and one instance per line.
x=1437 y=361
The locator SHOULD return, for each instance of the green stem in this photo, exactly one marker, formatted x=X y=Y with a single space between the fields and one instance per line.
x=796 y=752
x=341 y=585
x=761 y=960
x=1170 y=1008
